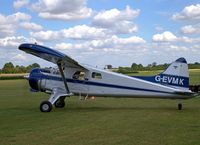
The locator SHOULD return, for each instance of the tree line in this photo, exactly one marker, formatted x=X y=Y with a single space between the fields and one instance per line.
x=9 y=68
x=134 y=68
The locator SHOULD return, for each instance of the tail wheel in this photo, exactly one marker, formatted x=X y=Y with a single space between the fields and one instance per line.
x=60 y=103
x=46 y=106
x=179 y=106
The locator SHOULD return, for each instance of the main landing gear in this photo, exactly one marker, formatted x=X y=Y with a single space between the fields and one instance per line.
x=60 y=103
x=46 y=106
x=58 y=94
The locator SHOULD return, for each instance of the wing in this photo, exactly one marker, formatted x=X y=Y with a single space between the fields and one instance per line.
x=50 y=55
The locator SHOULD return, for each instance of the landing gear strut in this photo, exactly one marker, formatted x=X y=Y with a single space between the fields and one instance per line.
x=46 y=106
x=179 y=106
x=57 y=95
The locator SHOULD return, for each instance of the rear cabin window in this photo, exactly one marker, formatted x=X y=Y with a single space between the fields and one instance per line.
x=79 y=75
x=96 y=75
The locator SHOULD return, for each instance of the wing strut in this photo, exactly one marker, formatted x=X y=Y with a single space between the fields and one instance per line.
x=63 y=76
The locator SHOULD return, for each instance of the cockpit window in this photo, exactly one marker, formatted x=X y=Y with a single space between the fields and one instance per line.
x=79 y=75
x=45 y=71
x=55 y=72
x=96 y=75
x=50 y=71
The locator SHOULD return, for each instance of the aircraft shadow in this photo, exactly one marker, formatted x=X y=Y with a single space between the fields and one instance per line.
x=92 y=109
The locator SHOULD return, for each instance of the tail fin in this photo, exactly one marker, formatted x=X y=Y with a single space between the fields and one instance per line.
x=176 y=75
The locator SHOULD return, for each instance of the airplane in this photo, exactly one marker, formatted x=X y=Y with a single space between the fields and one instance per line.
x=73 y=78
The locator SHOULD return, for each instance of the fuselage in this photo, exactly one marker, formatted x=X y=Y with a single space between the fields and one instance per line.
x=102 y=83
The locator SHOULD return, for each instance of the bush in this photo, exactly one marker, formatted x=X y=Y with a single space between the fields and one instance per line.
x=11 y=77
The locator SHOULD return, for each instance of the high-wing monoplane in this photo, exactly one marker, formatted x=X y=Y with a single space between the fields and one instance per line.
x=73 y=78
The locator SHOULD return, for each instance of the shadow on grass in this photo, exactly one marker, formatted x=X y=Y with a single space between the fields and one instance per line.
x=100 y=109
x=73 y=108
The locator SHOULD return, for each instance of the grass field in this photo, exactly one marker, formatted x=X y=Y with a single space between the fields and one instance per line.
x=12 y=76
x=104 y=121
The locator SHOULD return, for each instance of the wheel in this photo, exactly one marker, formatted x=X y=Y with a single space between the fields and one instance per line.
x=60 y=103
x=46 y=106
x=179 y=106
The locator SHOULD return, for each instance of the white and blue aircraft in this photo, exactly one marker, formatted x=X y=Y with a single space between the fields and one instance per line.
x=73 y=78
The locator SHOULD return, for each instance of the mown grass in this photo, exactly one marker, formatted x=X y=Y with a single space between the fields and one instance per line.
x=12 y=76
x=194 y=76
x=103 y=121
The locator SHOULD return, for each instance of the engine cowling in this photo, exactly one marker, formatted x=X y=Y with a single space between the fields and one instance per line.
x=37 y=80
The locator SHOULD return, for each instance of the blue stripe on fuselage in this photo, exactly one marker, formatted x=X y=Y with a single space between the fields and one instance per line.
x=86 y=82
x=165 y=79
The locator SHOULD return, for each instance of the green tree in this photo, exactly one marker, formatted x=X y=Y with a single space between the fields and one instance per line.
x=154 y=64
x=140 y=67
x=134 y=66
x=30 y=67
x=8 y=68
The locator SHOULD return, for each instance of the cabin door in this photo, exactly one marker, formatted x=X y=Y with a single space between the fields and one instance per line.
x=80 y=83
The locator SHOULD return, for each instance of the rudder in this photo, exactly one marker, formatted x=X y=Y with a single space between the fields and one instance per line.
x=176 y=75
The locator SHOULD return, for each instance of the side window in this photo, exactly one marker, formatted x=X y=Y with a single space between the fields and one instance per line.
x=76 y=75
x=79 y=75
x=96 y=75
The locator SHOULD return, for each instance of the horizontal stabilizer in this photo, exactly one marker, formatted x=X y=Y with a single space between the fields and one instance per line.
x=187 y=93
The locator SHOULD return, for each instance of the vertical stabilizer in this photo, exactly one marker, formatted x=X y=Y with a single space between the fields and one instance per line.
x=176 y=75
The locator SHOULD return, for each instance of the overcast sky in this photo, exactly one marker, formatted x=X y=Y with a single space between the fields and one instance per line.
x=116 y=32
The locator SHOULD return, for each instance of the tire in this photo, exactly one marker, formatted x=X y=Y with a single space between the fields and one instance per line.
x=179 y=106
x=46 y=106
x=60 y=103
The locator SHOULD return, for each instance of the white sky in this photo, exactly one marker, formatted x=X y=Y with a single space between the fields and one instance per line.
x=102 y=32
